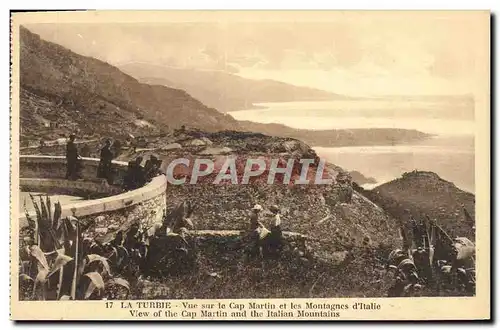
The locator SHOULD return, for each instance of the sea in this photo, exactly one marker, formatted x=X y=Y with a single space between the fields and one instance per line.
x=449 y=152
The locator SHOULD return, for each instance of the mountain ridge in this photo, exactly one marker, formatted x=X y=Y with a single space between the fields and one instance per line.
x=95 y=87
x=63 y=92
x=223 y=90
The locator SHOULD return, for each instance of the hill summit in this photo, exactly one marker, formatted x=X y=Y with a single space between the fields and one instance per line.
x=425 y=194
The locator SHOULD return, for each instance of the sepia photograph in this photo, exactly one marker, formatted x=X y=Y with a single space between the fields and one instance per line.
x=249 y=157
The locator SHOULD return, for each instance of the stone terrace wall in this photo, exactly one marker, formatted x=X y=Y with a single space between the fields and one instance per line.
x=86 y=189
x=56 y=148
x=46 y=167
x=145 y=204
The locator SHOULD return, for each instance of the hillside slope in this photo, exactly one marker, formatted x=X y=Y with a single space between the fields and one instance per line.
x=97 y=95
x=222 y=90
x=426 y=194
x=322 y=211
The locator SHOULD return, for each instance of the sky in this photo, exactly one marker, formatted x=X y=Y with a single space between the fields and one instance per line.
x=353 y=54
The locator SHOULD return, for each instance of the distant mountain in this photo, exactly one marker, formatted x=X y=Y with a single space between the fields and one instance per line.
x=426 y=194
x=63 y=92
x=339 y=137
x=222 y=90
x=361 y=179
x=71 y=90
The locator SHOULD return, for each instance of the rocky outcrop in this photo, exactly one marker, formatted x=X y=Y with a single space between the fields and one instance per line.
x=425 y=194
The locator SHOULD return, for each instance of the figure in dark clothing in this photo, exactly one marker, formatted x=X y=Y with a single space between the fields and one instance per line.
x=135 y=177
x=252 y=238
x=276 y=238
x=128 y=180
x=104 y=169
x=72 y=157
x=139 y=174
x=151 y=168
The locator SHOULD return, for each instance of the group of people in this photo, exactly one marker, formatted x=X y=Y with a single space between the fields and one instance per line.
x=73 y=158
x=137 y=175
x=261 y=241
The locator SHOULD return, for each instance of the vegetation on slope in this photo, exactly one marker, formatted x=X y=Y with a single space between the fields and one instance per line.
x=426 y=194
x=99 y=93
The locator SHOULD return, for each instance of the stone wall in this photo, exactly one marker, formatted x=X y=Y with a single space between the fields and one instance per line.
x=86 y=189
x=46 y=167
x=59 y=148
x=145 y=204
x=106 y=224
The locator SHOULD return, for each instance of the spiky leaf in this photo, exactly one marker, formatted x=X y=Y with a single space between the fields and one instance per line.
x=25 y=267
x=31 y=222
x=70 y=227
x=42 y=275
x=57 y=215
x=118 y=240
x=49 y=210
x=97 y=258
x=24 y=278
x=60 y=261
x=122 y=255
x=38 y=254
x=37 y=209
x=96 y=282
x=45 y=215
x=77 y=271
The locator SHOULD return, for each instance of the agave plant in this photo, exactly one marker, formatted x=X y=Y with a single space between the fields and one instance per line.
x=44 y=227
x=56 y=264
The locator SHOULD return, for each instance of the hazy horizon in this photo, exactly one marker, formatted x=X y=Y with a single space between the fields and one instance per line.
x=353 y=54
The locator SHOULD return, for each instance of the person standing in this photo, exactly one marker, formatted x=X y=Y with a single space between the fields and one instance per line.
x=276 y=232
x=252 y=238
x=151 y=168
x=139 y=178
x=71 y=158
x=255 y=217
x=128 y=180
x=104 y=169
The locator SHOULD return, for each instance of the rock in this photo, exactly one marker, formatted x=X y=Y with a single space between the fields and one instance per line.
x=113 y=227
x=172 y=146
x=197 y=142
x=290 y=145
x=216 y=151
x=207 y=141
x=101 y=231
x=61 y=141
x=99 y=219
